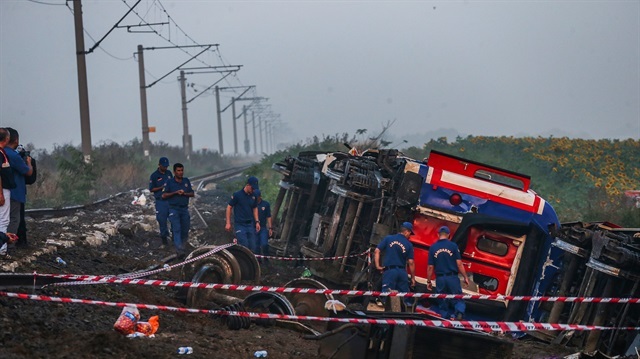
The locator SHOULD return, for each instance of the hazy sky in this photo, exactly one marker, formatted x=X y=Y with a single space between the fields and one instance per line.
x=477 y=67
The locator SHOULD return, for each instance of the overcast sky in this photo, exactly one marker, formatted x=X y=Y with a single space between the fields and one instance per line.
x=476 y=67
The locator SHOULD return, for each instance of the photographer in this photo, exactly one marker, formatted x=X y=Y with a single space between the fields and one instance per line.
x=22 y=168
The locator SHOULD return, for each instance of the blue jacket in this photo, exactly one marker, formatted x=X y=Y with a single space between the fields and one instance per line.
x=20 y=170
x=172 y=186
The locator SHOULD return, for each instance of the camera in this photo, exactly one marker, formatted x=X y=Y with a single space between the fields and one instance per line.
x=22 y=152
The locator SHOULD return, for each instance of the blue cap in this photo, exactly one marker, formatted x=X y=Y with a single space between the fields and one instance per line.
x=257 y=193
x=164 y=162
x=253 y=182
x=444 y=229
x=408 y=226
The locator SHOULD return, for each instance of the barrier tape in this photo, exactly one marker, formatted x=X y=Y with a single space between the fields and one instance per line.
x=312 y=259
x=485 y=326
x=137 y=275
x=260 y=288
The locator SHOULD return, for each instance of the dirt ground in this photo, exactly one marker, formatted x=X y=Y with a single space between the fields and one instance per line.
x=36 y=329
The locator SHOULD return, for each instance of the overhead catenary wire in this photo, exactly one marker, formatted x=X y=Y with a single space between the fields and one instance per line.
x=92 y=39
x=48 y=3
x=168 y=39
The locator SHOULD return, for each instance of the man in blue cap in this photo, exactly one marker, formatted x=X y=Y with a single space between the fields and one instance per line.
x=445 y=259
x=245 y=215
x=398 y=253
x=157 y=181
x=264 y=214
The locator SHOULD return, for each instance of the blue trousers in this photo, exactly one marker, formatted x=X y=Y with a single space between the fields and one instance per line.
x=247 y=236
x=180 y=223
x=396 y=279
x=449 y=285
x=263 y=241
x=162 y=216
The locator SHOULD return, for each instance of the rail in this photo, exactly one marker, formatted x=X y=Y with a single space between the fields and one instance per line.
x=198 y=182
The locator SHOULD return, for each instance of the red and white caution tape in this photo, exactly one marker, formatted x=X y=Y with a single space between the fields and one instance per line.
x=142 y=274
x=261 y=288
x=484 y=326
x=311 y=258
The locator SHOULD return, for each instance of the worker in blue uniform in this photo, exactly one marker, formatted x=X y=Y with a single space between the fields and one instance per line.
x=398 y=255
x=157 y=180
x=177 y=192
x=245 y=215
x=266 y=231
x=445 y=259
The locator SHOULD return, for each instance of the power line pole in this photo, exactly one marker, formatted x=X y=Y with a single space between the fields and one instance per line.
x=143 y=103
x=83 y=92
x=246 y=133
x=219 y=120
x=267 y=131
x=260 y=130
x=143 y=88
x=235 y=129
x=253 y=122
x=186 y=137
x=234 y=118
x=273 y=138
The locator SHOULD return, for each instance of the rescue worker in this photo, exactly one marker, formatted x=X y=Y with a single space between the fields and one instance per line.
x=157 y=180
x=398 y=254
x=177 y=191
x=445 y=259
x=266 y=231
x=245 y=215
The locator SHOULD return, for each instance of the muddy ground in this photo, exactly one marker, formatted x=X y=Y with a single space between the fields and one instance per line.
x=37 y=329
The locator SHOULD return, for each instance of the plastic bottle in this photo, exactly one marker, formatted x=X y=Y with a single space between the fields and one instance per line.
x=185 y=350
x=61 y=262
x=260 y=354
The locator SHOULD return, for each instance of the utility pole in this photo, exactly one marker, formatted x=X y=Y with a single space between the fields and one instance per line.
x=253 y=122
x=226 y=70
x=143 y=90
x=267 y=131
x=143 y=103
x=246 y=133
x=219 y=120
x=83 y=92
x=233 y=105
x=235 y=129
x=260 y=130
x=186 y=137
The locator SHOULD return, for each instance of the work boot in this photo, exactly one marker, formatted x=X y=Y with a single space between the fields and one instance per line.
x=165 y=241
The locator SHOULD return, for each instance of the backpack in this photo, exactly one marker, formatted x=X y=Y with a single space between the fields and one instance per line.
x=32 y=179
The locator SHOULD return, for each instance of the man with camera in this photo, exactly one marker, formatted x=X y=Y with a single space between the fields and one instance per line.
x=20 y=162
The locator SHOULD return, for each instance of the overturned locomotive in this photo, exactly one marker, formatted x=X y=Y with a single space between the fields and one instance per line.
x=510 y=238
x=337 y=204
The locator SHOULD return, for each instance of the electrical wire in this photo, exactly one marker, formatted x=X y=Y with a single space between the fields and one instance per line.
x=47 y=3
x=94 y=40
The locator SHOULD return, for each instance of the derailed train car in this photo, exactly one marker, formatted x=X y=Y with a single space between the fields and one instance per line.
x=339 y=204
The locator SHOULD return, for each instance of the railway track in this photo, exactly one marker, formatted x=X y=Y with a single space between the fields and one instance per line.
x=198 y=183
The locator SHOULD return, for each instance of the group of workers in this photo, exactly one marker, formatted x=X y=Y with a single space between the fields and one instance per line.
x=252 y=224
x=172 y=191
x=444 y=260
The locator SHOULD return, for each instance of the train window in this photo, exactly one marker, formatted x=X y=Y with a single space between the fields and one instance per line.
x=485 y=282
x=499 y=179
x=492 y=246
